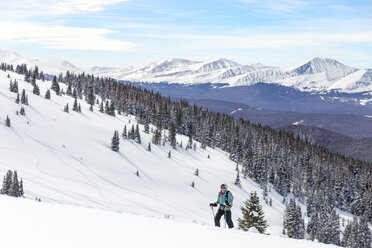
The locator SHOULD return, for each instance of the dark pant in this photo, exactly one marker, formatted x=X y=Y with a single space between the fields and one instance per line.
x=218 y=216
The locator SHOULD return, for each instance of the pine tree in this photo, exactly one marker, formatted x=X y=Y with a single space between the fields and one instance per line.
x=7 y=183
x=75 y=106
x=293 y=222
x=17 y=99
x=137 y=135
x=7 y=121
x=22 y=111
x=172 y=135
x=169 y=154
x=149 y=147
x=107 y=107
x=193 y=184
x=112 y=109
x=47 y=94
x=36 y=90
x=313 y=226
x=66 y=108
x=253 y=216
x=196 y=172
x=14 y=188
x=125 y=133
x=146 y=126
x=132 y=134
x=101 y=107
x=23 y=97
x=55 y=85
x=137 y=173
x=21 y=188
x=237 y=180
x=115 y=142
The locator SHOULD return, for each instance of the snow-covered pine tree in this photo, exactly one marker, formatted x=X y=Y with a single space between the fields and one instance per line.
x=172 y=135
x=47 y=94
x=55 y=85
x=149 y=147
x=21 y=188
x=14 y=188
x=146 y=125
x=7 y=183
x=7 y=121
x=17 y=99
x=137 y=135
x=196 y=172
x=75 y=107
x=169 y=154
x=112 y=108
x=101 y=107
x=237 y=180
x=132 y=134
x=125 y=133
x=115 y=142
x=22 y=111
x=313 y=226
x=253 y=215
x=36 y=90
x=66 y=108
x=293 y=221
x=23 y=97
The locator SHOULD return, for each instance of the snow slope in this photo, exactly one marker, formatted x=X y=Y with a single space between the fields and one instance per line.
x=50 y=225
x=49 y=65
x=66 y=158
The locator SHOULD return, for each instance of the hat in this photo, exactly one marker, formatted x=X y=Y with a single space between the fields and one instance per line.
x=223 y=186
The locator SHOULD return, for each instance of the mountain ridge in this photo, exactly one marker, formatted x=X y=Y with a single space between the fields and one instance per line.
x=315 y=75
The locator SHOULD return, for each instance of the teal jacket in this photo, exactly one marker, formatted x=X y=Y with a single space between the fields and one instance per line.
x=222 y=198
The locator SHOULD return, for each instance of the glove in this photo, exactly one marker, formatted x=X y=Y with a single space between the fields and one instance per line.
x=227 y=204
x=213 y=205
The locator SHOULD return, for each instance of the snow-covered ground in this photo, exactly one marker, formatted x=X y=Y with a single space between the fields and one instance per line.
x=65 y=159
x=26 y=223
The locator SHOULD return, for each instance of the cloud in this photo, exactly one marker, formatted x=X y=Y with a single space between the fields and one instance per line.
x=280 y=40
x=62 y=37
x=283 y=5
x=26 y=8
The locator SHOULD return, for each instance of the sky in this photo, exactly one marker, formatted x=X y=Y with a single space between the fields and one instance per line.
x=122 y=33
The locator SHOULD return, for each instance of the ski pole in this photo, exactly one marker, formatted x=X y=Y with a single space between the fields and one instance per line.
x=225 y=216
x=212 y=211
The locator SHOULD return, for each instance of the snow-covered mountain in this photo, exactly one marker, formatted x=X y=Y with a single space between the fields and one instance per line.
x=317 y=74
x=49 y=65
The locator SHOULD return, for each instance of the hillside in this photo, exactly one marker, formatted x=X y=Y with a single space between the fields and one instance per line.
x=357 y=148
x=66 y=158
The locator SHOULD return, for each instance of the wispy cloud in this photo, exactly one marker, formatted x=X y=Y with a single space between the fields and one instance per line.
x=281 y=40
x=283 y=5
x=26 y=8
x=62 y=37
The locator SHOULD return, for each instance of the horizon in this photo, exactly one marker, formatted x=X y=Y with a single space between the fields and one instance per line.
x=123 y=33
